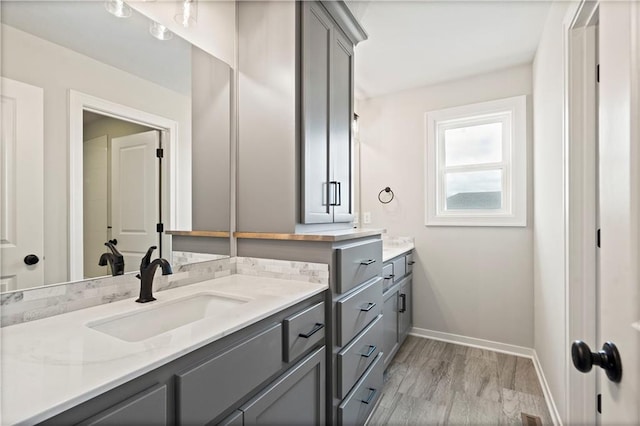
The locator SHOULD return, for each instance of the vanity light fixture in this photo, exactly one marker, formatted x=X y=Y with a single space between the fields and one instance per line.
x=118 y=8
x=159 y=31
x=187 y=14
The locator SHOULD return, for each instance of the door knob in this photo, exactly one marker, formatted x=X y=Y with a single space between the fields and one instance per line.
x=31 y=259
x=608 y=359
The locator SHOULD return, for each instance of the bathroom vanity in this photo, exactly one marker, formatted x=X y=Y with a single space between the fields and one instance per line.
x=234 y=350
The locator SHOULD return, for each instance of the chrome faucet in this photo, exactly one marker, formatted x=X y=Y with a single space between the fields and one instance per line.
x=115 y=259
x=147 y=271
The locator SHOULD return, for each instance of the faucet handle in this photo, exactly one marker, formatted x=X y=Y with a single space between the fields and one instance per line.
x=146 y=260
x=113 y=248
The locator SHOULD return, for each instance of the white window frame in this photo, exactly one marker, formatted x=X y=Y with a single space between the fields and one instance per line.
x=512 y=113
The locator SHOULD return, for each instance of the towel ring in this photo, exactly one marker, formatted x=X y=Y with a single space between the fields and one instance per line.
x=385 y=196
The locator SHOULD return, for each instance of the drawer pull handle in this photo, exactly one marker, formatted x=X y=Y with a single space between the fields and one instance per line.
x=372 y=349
x=313 y=331
x=388 y=277
x=403 y=306
x=411 y=262
x=368 y=262
x=371 y=396
x=369 y=307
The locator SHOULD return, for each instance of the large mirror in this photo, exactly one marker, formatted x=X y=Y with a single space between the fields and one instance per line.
x=109 y=135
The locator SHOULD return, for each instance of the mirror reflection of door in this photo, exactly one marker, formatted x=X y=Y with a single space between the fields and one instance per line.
x=21 y=185
x=121 y=188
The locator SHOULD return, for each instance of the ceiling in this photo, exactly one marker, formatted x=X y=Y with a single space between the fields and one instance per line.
x=420 y=43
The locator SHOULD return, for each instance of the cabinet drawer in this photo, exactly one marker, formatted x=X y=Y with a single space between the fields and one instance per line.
x=387 y=276
x=146 y=408
x=354 y=359
x=399 y=269
x=357 y=406
x=410 y=262
x=357 y=310
x=303 y=330
x=205 y=391
x=357 y=264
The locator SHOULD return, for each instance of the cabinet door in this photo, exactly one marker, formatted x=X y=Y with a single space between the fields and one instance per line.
x=404 y=309
x=341 y=118
x=316 y=74
x=390 y=326
x=146 y=408
x=297 y=397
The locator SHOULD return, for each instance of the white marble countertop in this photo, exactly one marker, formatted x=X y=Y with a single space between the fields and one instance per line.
x=53 y=364
x=389 y=251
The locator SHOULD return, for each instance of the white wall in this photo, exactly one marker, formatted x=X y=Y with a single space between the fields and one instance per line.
x=56 y=69
x=475 y=282
x=548 y=235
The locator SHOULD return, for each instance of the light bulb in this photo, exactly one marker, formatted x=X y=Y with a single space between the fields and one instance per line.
x=118 y=8
x=159 y=31
x=187 y=14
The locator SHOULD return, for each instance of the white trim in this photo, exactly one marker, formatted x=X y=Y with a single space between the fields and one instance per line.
x=513 y=164
x=497 y=347
x=579 y=197
x=473 y=342
x=78 y=102
x=546 y=391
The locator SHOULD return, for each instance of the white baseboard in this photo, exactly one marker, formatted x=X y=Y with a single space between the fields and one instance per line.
x=497 y=347
x=473 y=342
x=551 y=405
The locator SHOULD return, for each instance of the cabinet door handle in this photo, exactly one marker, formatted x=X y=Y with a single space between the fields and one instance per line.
x=313 y=331
x=403 y=306
x=369 y=307
x=388 y=277
x=411 y=262
x=370 y=397
x=367 y=262
x=337 y=193
x=372 y=349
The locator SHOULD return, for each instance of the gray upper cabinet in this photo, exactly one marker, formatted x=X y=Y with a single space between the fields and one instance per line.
x=327 y=103
x=295 y=107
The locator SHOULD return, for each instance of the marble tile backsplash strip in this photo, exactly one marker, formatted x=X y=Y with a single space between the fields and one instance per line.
x=42 y=302
x=179 y=258
x=390 y=241
x=317 y=273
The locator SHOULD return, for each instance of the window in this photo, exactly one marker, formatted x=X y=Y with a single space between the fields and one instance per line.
x=476 y=164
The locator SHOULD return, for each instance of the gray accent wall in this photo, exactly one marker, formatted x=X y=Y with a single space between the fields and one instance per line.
x=267 y=157
x=211 y=138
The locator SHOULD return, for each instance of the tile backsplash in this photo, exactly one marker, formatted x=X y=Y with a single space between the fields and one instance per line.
x=42 y=302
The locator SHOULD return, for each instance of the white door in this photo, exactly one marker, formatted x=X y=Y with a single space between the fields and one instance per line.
x=619 y=153
x=21 y=186
x=135 y=189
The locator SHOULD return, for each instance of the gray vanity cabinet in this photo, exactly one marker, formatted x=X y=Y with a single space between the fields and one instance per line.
x=398 y=302
x=247 y=377
x=327 y=105
x=296 y=397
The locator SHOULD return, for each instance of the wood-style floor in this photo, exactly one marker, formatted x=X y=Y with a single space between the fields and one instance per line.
x=433 y=382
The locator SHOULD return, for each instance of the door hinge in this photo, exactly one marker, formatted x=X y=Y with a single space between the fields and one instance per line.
x=600 y=403
x=160 y=153
x=598 y=73
x=160 y=227
x=598 y=238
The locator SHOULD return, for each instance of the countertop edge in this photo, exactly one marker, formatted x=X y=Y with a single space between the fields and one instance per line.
x=326 y=237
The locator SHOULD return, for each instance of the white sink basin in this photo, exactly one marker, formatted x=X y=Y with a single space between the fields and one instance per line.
x=137 y=326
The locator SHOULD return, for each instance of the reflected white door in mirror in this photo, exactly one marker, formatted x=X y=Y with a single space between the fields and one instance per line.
x=21 y=185
x=140 y=181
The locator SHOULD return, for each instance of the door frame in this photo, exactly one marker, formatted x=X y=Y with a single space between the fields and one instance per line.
x=580 y=201
x=78 y=103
